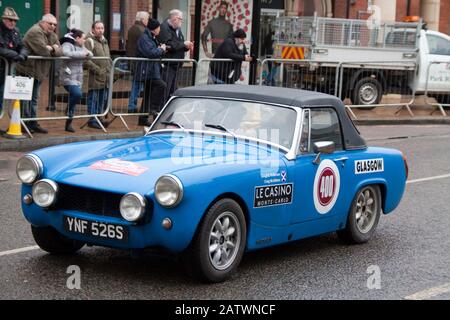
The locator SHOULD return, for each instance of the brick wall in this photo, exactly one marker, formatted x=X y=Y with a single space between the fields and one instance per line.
x=340 y=8
x=402 y=9
x=130 y=10
x=47 y=6
x=444 y=24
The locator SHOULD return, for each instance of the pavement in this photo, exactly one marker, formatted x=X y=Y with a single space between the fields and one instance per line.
x=394 y=115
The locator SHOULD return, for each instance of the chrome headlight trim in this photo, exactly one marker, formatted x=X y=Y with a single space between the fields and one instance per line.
x=177 y=184
x=140 y=207
x=53 y=187
x=38 y=167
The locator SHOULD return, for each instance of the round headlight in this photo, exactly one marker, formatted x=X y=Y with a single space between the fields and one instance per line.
x=29 y=168
x=44 y=193
x=169 y=191
x=132 y=207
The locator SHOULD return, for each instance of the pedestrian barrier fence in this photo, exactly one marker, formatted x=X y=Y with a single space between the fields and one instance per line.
x=55 y=96
x=316 y=76
x=375 y=84
x=134 y=93
x=122 y=87
x=437 y=87
x=222 y=71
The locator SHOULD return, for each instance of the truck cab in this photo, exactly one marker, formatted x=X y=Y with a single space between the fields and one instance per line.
x=434 y=47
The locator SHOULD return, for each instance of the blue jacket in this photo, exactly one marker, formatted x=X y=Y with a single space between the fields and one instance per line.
x=148 y=48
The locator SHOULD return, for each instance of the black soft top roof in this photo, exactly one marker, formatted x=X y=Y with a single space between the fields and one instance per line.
x=284 y=96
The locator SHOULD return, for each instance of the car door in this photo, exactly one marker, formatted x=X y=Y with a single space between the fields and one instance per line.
x=439 y=72
x=319 y=191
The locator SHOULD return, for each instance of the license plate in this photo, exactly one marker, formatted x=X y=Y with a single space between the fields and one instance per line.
x=96 y=229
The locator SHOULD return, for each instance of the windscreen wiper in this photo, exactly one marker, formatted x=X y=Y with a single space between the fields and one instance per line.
x=221 y=128
x=173 y=123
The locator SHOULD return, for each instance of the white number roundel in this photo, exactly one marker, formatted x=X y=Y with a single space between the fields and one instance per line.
x=327 y=184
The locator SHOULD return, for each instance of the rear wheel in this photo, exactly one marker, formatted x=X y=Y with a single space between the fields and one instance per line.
x=364 y=215
x=219 y=245
x=50 y=240
x=368 y=91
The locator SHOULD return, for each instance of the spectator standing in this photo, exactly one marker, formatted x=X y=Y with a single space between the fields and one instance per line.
x=172 y=36
x=71 y=71
x=40 y=40
x=272 y=67
x=218 y=28
x=149 y=72
x=232 y=48
x=11 y=45
x=98 y=72
x=134 y=34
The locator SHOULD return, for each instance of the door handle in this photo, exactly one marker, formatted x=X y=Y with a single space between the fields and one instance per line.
x=409 y=55
x=343 y=160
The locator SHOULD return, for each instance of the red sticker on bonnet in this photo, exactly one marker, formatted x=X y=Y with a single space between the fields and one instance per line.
x=119 y=166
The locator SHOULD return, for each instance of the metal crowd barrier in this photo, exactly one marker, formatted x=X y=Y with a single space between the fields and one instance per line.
x=52 y=99
x=377 y=84
x=128 y=90
x=437 y=86
x=2 y=86
x=319 y=76
x=358 y=84
x=219 y=71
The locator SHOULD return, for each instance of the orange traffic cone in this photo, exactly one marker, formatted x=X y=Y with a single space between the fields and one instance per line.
x=15 y=128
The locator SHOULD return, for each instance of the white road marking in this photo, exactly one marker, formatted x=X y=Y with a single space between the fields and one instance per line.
x=430 y=293
x=15 y=251
x=429 y=179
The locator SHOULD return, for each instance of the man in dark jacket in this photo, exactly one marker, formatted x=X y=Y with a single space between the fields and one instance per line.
x=134 y=34
x=149 y=72
x=12 y=48
x=232 y=48
x=177 y=47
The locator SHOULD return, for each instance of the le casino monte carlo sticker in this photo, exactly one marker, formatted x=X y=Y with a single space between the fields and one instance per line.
x=119 y=166
x=273 y=195
x=327 y=184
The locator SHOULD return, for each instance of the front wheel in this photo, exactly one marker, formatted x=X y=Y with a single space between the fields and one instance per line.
x=50 y=240
x=219 y=244
x=368 y=91
x=364 y=215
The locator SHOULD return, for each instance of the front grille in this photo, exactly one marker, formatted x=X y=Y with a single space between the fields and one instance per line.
x=96 y=202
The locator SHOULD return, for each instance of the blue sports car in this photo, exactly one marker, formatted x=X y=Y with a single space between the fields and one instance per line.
x=223 y=170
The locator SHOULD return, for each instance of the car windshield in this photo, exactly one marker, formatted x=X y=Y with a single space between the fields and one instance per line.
x=266 y=122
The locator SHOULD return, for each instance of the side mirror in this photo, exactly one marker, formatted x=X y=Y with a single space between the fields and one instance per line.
x=323 y=147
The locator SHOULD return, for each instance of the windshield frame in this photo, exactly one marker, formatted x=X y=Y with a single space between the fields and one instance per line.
x=289 y=152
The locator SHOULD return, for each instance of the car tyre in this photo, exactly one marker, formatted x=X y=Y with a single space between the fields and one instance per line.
x=367 y=91
x=363 y=217
x=219 y=244
x=50 y=240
